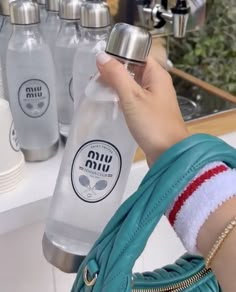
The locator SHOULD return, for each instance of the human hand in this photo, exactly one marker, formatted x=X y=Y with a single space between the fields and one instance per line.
x=151 y=109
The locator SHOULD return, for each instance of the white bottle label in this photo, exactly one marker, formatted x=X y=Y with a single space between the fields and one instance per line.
x=13 y=138
x=34 y=98
x=95 y=170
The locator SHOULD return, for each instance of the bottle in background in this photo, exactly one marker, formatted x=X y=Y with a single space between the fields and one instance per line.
x=52 y=23
x=43 y=12
x=5 y=34
x=1 y=19
x=67 y=41
x=97 y=161
x=31 y=83
x=95 y=28
x=2 y=92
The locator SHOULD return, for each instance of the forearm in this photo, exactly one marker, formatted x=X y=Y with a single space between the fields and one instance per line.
x=224 y=263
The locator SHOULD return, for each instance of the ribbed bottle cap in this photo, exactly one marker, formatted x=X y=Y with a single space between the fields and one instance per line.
x=24 y=12
x=70 y=9
x=129 y=42
x=4 y=7
x=95 y=14
x=41 y=2
x=52 y=5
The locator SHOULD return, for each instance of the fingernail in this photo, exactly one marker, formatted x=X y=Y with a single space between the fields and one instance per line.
x=103 y=58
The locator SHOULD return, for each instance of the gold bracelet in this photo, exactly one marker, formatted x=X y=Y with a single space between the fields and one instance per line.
x=224 y=235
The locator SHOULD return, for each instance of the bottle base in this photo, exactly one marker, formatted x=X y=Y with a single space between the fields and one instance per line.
x=42 y=154
x=64 y=261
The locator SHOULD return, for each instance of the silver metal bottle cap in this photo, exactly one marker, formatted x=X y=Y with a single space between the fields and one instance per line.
x=52 y=5
x=24 y=12
x=41 y=2
x=95 y=14
x=129 y=42
x=70 y=9
x=5 y=7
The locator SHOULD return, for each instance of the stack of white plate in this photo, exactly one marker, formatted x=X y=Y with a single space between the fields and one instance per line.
x=12 y=161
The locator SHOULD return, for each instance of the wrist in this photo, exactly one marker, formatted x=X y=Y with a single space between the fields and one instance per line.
x=159 y=147
x=210 y=189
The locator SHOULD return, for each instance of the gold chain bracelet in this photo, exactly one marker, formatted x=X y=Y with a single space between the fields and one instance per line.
x=224 y=235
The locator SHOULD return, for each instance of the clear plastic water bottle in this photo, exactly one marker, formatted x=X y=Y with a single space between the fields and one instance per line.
x=43 y=11
x=52 y=23
x=97 y=160
x=95 y=23
x=67 y=41
x=5 y=34
x=31 y=82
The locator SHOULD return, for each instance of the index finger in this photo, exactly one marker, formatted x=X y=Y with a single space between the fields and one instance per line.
x=154 y=75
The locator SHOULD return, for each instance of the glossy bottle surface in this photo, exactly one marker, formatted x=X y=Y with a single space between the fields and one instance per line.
x=51 y=28
x=93 y=41
x=66 y=43
x=43 y=14
x=31 y=82
x=94 y=170
x=5 y=34
x=97 y=160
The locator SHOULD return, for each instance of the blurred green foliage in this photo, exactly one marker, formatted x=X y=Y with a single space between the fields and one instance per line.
x=210 y=54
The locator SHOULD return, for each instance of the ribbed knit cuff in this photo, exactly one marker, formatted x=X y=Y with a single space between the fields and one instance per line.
x=212 y=186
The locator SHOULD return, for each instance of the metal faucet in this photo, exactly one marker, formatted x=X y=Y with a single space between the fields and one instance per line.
x=159 y=15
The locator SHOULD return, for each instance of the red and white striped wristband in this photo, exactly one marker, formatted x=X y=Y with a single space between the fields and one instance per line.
x=212 y=186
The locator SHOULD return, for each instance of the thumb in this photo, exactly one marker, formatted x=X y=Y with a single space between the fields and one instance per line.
x=115 y=75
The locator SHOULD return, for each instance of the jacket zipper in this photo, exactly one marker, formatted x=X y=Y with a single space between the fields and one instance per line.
x=178 y=287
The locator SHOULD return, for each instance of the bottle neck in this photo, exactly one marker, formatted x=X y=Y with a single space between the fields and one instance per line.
x=6 y=20
x=26 y=30
x=95 y=34
x=70 y=24
x=43 y=12
x=135 y=69
x=42 y=7
x=5 y=23
x=52 y=18
x=69 y=28
x=52 y=13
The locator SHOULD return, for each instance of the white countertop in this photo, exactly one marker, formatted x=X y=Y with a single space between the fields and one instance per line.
x=29 y=203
